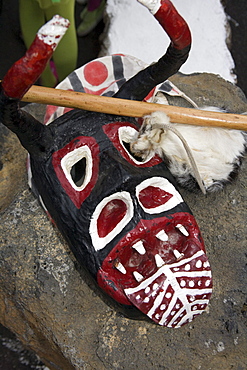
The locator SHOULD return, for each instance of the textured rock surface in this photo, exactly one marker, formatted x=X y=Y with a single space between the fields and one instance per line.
x=12 y=166
x=56 y=310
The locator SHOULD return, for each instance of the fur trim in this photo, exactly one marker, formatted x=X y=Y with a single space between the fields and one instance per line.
x=216 y=151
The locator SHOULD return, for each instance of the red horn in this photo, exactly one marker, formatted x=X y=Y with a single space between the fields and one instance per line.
x=34 y=136
x=138 y=87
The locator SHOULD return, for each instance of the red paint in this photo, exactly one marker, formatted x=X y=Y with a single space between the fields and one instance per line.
x=113 y=281
x=66 y=110
x=150 y=94
x=77 y=196
x=93 y=92
x=113 y=212
x=108 y=284
x=174 y=25
x=120 y=54
x=95 y=73
x=152 y=197
x=50 y=110
x=22 y=75
x=112 y=131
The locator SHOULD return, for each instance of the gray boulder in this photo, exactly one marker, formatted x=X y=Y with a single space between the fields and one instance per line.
x=56 y=310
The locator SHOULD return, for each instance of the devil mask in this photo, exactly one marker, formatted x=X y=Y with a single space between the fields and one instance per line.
x=123 y=218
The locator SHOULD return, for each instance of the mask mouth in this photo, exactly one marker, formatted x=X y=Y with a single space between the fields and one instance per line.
x=161 y=268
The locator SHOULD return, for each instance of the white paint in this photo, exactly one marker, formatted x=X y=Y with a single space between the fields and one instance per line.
x=199 y=264
x=182 y=229
x=177 y=254
x=139 y=247
x=164 y=184
x=192 y=274
x=162 y=235
x=99 y=242
x=138 y=276
x=134 y=31
x=121 y=268
x=187 y=267
x=158 y=260
x=147 y=290
x=52 y=32
x=71 y=158
x=189 y=306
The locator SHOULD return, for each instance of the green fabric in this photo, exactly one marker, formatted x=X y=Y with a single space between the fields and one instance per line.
x=33 y=15
x=44 y=4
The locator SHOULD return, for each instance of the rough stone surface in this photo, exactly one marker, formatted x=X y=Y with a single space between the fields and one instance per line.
x=208 y=89
x=12 y=166
x=55 y=309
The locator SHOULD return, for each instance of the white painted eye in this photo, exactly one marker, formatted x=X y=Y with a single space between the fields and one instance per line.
x=77 y=167
x=157 y=195
x=111 y=215
x=128 y=134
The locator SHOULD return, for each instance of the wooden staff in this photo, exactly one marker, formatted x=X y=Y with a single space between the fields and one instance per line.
x=131 y=108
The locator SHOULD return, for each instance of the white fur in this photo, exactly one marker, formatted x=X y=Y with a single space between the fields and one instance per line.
x=216 y=151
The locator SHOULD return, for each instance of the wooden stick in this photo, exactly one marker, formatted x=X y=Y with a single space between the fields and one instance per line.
x=131 y=108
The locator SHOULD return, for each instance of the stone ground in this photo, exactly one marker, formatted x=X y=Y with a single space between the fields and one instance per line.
x=63 y=317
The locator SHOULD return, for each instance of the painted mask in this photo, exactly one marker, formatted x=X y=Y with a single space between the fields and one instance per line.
x=123 y=218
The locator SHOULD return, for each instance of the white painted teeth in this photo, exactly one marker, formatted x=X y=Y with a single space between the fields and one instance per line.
x=162 y=236
x=120 y=268
x=138 y=276
x=139 y=247
x=177 y=254
x=158 y=260
x=182 y=229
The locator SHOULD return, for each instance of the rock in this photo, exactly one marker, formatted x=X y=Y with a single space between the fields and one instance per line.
x=55 y=309
x=12 y=167
x=208 y=89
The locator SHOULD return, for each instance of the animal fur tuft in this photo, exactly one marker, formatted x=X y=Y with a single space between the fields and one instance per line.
x=216 y=151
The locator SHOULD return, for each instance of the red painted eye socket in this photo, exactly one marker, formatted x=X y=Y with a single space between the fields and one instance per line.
x=157 y=195
x=77 y=166
x=121 y=134
x=152 y=197
x=111 y=215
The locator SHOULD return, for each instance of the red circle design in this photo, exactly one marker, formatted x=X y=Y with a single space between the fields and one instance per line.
x=95 y=73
